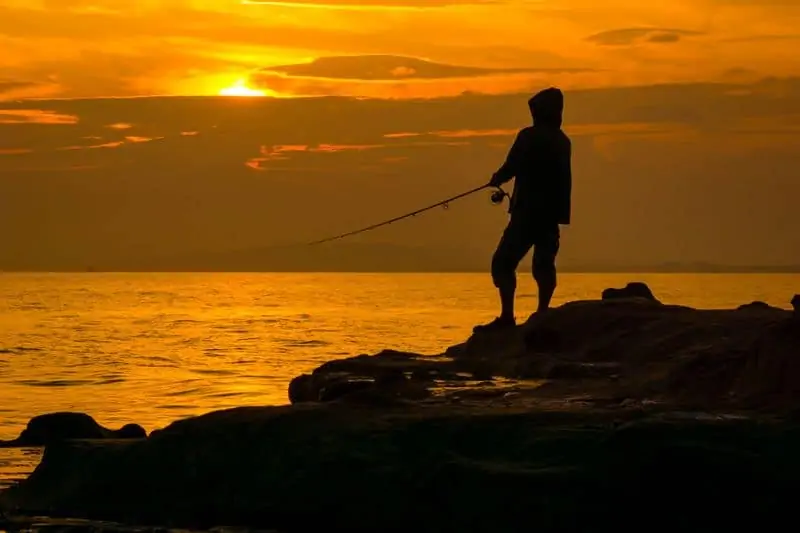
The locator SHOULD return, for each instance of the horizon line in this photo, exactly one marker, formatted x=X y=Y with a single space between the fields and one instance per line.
x=644 y=271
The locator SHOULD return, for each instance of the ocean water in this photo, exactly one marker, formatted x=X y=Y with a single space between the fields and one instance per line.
x=154 y=348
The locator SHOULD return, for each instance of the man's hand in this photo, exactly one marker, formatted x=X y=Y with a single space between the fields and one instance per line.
x=496 y=180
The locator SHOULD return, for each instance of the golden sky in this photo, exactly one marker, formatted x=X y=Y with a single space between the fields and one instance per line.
x=75 y=48
x=684 y=115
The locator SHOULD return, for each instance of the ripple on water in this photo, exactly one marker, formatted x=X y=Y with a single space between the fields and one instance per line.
x=31 y=307
x=16 y=464
x=110 y=381
x=174 y=407
x=18 y=350
x=229 y=394
x=183 y=392
x=54 y=382
x=214 y=372
x=184 y=321
x=300 y=343
x=262 y=321
x=154 y=361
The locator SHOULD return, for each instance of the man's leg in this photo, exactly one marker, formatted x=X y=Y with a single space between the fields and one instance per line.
x=512 y=248
x=545 y=252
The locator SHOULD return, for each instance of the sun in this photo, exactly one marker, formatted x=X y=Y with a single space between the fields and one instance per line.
x=240 y=88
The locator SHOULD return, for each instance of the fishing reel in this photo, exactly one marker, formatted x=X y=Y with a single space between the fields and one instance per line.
x=498 y=196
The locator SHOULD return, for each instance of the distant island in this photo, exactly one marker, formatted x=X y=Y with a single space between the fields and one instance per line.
x=370 y=267
x=351 y=257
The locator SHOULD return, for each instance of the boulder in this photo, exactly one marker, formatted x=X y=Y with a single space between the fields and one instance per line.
x=635 y=289
x=756 y=306
x=51 y=428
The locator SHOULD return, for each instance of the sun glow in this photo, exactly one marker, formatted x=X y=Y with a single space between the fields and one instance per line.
x=240 y=88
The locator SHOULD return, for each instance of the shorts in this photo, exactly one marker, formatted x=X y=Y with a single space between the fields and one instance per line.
x=517 y=240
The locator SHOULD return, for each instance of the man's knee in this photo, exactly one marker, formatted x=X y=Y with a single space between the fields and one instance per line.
x=544 y=265
x=503 y=271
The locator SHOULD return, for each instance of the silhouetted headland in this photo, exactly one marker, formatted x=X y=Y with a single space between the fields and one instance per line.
x=619 y=414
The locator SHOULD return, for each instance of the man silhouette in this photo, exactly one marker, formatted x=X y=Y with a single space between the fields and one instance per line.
x=540 y=162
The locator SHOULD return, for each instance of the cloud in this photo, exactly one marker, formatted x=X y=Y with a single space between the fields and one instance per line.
x=755 y=3
x=114 y=144
x=35 y=116
x=388 y=67
x=628 y=36
x=631 y=128
x=8 y=86
x=764 y=37
x=15 y=89
x=269 y=154
x=385 y=76
x=740 y=75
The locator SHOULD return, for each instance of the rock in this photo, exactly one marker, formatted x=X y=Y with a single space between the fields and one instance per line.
x=635 y=289
x=336 y=390
x=332 y=383
x=756 y=306
x=541 y=339
x=301 y=389
x=398 y=373
x=50 y=428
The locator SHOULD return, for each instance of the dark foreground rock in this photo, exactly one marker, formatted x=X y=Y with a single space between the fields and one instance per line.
x=615 y=415
x=428 y=469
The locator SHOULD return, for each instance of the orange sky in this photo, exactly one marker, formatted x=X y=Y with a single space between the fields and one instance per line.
x=684 y=115
x=117 y=47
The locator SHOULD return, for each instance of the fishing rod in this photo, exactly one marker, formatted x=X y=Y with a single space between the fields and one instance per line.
x=497 y=198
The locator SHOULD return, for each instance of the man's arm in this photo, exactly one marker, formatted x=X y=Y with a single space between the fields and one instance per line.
x=510 y=167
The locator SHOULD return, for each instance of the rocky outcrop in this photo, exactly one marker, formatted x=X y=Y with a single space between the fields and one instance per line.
x=635 y=289
x=560 y=424
x=387 y=375
x=625 y=348
x=51 y=428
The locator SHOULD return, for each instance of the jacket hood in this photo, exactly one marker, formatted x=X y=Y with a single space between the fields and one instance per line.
x=547 y=108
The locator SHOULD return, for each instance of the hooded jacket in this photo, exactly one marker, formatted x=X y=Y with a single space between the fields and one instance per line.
x=540 y=160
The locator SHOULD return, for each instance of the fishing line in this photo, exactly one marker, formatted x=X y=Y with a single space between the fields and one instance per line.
x=497 y=198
